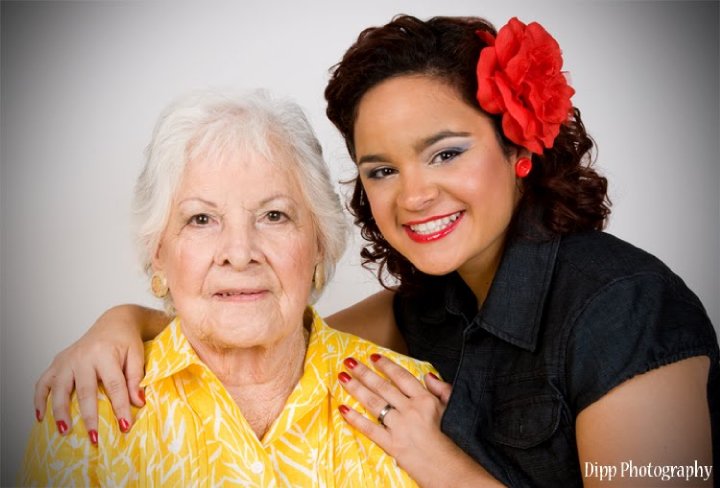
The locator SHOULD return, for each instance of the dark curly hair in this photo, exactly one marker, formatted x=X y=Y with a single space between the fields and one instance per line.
x=563 y=190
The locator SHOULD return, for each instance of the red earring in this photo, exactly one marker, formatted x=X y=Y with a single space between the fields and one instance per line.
x=523 y=167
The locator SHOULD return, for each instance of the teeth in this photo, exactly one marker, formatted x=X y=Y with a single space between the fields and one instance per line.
x=434 y=225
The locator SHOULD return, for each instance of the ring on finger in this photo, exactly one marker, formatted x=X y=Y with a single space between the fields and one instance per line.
x=381 y=416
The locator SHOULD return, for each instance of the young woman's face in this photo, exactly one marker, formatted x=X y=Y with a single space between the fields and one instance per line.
x=439 y=185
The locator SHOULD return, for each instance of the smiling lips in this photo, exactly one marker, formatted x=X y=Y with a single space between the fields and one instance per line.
x=434 y=228
x=240 y=295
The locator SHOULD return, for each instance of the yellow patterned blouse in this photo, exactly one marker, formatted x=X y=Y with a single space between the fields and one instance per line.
x=191 y=432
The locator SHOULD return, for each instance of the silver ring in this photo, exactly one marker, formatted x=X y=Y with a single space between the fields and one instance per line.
x=383 y=413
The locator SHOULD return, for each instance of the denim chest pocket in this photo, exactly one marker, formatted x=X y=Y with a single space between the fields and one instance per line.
x=525 y=422
x=530 y=431
x=533 y=433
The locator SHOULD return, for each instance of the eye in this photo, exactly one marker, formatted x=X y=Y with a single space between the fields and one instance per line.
x=380 y=173
x=276 y=216
x=199 y=220
x=446 y=155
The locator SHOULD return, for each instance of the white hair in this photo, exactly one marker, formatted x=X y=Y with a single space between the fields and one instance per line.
x=214 y=126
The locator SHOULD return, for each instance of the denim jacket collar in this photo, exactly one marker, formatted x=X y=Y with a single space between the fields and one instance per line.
x=513 y=309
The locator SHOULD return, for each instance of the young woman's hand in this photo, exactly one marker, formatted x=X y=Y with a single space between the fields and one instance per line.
x=111 y=352
x=409 y=417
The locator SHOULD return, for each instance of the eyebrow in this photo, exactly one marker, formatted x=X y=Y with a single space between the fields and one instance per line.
x=197 y=199
x=263 y=202
x=278 y=196
x=418 y=147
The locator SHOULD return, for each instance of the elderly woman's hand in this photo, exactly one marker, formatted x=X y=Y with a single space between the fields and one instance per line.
x=112 y=352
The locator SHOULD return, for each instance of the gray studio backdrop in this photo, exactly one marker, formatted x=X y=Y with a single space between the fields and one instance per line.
x=83 y=82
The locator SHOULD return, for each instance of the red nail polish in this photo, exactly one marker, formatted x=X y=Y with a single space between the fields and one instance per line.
x=434 y=376
x=343 y=409
x=374 y=357
x=350 y=363
x=141 y=394
x=61 y=426
x=124 y=425
x=344 y=377
x=93 y=437
x=37 y=415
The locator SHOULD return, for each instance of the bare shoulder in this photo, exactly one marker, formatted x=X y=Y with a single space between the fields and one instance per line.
x=372 y=319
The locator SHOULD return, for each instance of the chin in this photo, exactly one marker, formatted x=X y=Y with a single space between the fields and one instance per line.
x=231 y=330
x=234 y=339
x=435 y=268
x=434 y=259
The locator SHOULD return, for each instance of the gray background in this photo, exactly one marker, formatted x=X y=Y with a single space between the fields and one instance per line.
x=82 y=84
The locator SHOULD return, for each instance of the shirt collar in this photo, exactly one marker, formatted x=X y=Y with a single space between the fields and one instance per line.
x=167 y=354
x=514 y=305
x=170 y=352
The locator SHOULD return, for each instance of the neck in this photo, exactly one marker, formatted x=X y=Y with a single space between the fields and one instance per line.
x=259 y=379
x=478 y=273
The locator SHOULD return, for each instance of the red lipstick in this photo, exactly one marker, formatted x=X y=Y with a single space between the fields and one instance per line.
x=434 y=236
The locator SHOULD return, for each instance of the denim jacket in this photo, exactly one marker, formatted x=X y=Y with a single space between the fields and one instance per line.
x=566 y=320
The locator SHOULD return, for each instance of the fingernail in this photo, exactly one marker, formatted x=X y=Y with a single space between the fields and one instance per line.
x=124 y=424
x=434 y=376
x=141 y=394
x=93 y=436
x=343 y=409
x=344 y=377
x=37 y=415
x=61 y=426
x=374 y=357
x=350 y=363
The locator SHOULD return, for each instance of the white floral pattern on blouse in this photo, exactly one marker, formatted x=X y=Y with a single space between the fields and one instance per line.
x=192 y=433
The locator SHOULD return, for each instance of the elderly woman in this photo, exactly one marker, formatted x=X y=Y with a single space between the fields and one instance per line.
x=242 y=386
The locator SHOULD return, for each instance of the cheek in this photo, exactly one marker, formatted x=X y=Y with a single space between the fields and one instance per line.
x=292 y=260
x=301 y=264
x=187 y=264
x=381 y=205
x=492 y=181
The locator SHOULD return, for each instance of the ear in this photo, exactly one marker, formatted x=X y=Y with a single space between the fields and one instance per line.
x=319 y=258
x=319 y=248
x=156 y=261
x=521 y=152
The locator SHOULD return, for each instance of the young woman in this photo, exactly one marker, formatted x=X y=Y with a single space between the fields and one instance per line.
x=570 y=352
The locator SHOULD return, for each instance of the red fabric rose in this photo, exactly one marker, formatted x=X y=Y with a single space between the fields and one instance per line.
x=520 y=77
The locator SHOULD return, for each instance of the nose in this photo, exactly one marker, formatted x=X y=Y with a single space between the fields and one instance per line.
x=237 y=245
x=417 y=190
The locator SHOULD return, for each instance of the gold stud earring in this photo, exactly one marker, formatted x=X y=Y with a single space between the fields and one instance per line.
x=158 y=285
x=319 y=276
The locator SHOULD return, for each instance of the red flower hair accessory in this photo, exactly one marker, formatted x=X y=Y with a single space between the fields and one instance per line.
x=519 y=76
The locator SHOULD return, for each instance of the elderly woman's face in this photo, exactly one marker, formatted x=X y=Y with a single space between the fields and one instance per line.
x=239 y=252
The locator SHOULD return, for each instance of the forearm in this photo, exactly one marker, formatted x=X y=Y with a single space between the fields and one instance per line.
x=148 y=322
x=451 y=466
